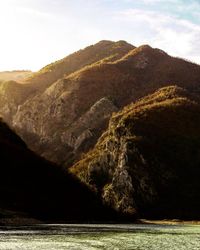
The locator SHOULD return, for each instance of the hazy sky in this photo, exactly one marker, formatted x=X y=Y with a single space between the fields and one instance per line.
x=37 y=32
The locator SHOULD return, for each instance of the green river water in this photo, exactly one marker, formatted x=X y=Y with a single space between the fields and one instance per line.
x=86 y=237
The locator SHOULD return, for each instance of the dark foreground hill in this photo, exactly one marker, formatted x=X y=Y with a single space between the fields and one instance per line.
x=148 y=161
x=69 y=116
x=31 y=187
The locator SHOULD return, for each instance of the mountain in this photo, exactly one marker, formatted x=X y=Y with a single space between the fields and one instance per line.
x=147 y=162
x=103 y=50
x=32 y=187
x=15 y=94
x=67 y=118
x=15 y=75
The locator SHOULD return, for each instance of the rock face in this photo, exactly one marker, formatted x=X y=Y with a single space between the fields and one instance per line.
x=67 y=118
x=147 y=162
x=33 y=189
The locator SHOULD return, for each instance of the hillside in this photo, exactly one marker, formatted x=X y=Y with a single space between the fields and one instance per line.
x=32 y=187
x=69 y=116
x=147 y=162
x=15 y=94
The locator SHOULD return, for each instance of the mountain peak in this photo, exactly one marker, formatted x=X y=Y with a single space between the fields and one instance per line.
x=108 y=42
x=104 y=42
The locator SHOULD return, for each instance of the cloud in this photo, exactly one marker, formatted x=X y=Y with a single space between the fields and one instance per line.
x=160 y=1
x=178 y=37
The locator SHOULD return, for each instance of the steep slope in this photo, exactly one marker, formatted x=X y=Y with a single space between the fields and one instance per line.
x=34 y=188
x=71 y=114
x=14 y=94
x=147 y=162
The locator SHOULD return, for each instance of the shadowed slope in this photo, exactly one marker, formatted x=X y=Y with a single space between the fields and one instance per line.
x=36 y=188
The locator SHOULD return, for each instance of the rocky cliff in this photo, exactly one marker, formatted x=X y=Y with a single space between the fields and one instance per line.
x=147 y=162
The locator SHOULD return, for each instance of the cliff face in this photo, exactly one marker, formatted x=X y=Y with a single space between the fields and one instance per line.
x=69 y=116
x=32 y=187
x=147 y=162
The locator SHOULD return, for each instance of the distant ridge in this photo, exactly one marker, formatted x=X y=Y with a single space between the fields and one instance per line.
x=14 y=75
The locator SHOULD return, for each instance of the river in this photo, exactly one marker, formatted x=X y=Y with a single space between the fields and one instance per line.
x=91 y=236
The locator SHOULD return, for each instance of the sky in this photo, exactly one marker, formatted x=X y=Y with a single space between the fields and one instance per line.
x=34 y=33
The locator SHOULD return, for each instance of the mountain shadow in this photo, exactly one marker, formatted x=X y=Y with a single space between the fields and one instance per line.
x=32 y=187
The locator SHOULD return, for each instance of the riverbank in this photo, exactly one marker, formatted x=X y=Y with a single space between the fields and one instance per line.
x=170 y=222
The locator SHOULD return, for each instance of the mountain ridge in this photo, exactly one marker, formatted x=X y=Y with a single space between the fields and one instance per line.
x=140 y=72
x=39 y=81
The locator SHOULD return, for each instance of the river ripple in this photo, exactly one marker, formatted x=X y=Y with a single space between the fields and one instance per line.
x=86 y=237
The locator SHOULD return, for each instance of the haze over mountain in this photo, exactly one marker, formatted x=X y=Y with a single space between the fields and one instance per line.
x=15 y=75
x=63 y=119
x=147 y=162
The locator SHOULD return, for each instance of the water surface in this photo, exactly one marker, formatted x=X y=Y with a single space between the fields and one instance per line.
x=86 y=237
